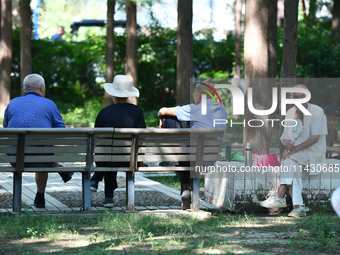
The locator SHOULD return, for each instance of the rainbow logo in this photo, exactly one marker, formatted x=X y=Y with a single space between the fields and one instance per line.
x=208 y=92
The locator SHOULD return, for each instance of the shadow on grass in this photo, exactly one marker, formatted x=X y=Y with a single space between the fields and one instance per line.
x=140 y=234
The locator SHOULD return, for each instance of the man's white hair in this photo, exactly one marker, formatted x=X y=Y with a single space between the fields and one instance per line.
x=33 y=82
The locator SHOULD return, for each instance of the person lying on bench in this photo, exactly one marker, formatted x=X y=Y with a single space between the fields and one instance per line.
x=33 y=110
x=170 y=117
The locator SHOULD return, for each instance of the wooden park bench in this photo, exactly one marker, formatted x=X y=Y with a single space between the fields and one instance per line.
x=76 y=150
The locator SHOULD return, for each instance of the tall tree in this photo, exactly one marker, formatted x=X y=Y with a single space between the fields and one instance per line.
x=336 y=20
x=312 y=11
x=109 y=71
x=289 y=55
x=288 y=68
x=258 y=58
x=184 y=51
x=25 y=39
x=238 y=46
x=272 y=38
x=131 y=42
x=5 y=54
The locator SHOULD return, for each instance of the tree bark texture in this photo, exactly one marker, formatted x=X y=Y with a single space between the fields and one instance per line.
x=5 y=54
x=259 y=65
x=288 y=68
x=272 y=38
x=238 y=35
x=184 y=52
x=289 y=55
x=25 y=39
x=131 y=43
x=109 y=71
x=336 y=20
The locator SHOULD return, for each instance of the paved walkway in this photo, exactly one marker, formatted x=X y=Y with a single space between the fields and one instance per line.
x=60 y=196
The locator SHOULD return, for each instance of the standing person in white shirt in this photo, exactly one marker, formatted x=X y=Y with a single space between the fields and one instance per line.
x=307 y=149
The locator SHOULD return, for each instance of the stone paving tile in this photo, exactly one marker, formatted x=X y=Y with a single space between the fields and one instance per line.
x=163 y=207
x=142 y=198
x=152 y=207
x=174 y=207
x=140 y=208
x=149 y=195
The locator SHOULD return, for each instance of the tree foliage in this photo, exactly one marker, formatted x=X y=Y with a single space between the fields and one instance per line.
x=74 y=71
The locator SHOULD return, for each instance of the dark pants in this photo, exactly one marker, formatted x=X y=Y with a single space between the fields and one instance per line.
x=183 y=176
x=110 y=181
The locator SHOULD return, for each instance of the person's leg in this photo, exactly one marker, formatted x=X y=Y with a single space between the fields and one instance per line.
x=278 y=199
x=299 y=209
x=65 y=176
x=297 y=192
x=110 y=181
x=41 y=181
x=183 y=176
x=95 y=179
x=282 y=190
x=184 y=179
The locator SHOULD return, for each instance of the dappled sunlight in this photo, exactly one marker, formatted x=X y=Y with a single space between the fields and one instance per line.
x=141 y=234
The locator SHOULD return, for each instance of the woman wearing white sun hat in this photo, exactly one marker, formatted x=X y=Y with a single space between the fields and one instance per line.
x=121 y=114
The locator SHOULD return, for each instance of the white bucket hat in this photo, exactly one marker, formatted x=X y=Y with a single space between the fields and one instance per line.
x=122 y=86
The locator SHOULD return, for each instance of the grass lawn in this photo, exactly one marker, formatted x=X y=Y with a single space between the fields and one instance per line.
x=111 y=233
x=135 y=233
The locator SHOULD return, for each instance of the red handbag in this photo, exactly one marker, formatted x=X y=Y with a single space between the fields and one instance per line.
x=266 y=160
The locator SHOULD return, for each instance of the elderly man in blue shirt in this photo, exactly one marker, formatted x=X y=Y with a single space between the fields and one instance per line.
x=33 y=110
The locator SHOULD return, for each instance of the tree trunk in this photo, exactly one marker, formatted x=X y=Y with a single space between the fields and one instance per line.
x=336 y=20
x=184 y=52
x=109 y=72
x=5 y=54
x=131 y=43
x=312 y=12
x=288 y=68
x=25 y=39
x=272 y=38
x=259 y=52
x=238 y=46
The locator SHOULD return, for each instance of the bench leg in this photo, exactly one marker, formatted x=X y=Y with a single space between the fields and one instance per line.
x=17 y=190
x=130 y=191
x=195 y=194
x=86 y=181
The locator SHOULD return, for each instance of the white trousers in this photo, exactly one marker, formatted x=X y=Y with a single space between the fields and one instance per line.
x=292 y=175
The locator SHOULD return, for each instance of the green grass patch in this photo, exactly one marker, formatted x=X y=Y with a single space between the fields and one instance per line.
x=140 y=234
x=171 y=181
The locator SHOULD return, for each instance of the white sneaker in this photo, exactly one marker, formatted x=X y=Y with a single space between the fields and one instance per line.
x=298 y=211
x=273 y=201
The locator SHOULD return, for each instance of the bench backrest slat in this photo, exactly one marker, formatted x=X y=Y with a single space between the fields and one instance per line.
x=69 y=146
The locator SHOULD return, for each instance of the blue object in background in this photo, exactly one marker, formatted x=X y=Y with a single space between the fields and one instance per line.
x=36 y=4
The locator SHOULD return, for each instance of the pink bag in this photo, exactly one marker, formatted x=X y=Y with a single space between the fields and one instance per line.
x=266 y=160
